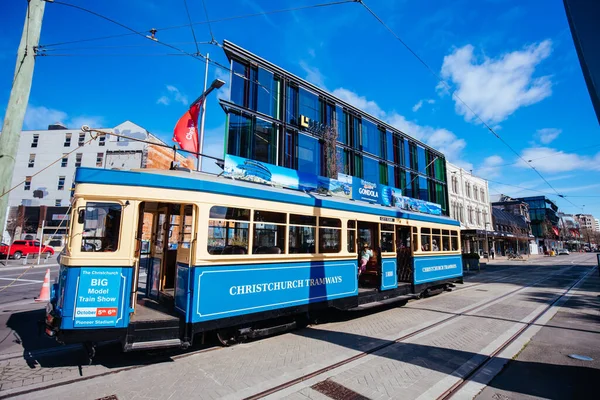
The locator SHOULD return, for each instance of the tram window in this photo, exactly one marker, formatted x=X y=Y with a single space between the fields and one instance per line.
x=227 y=237
x=268 y=239
x=330 y=240
x=446 y=243
x=331 y=222
x=186 y=234
x=387 y=241
x=387 y=227
x=352 y=236
x=301 y=239
x=296 y=219
x=101 y=227
x=436 y=240
x=425 y=239
x=220 y=212
x=267 y=216
x=454 y=243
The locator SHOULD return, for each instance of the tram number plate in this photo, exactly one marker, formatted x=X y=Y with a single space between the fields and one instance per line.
x=387 y=219
x=389 y=274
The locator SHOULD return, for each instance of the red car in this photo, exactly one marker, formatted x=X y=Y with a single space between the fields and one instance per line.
x=22 y=248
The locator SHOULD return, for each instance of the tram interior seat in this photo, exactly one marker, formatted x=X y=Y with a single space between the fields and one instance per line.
x=234 y=250
x=267 y=250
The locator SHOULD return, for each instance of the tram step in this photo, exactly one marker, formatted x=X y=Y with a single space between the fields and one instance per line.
x=156 y=344
x=383 y=302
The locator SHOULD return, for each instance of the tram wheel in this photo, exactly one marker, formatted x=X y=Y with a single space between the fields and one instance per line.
x=226 y=337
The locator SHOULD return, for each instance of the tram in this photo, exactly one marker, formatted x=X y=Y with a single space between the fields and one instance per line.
x=227 y=256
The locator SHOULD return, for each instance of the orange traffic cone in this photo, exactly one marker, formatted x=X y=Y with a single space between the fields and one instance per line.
x=45 y=292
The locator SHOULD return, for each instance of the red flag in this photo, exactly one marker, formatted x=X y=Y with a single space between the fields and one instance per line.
x=186 y=130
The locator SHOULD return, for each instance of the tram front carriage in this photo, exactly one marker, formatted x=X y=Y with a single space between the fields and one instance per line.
x=154 y=258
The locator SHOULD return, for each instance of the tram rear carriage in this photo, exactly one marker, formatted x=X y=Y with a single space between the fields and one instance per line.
x=225 y=255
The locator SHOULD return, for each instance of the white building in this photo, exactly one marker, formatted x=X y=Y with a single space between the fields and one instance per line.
x=587 y=221
x=469 y=201
x=46 y=162
x=597 y=224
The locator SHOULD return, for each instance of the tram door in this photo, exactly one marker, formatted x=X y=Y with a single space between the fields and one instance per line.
x=404 y=250
x=368 y=233
x=158 y=251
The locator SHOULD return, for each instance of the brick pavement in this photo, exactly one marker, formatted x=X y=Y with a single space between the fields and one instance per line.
x=250 y=368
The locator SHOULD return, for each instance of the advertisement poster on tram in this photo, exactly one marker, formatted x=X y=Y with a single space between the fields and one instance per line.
x=98 y=298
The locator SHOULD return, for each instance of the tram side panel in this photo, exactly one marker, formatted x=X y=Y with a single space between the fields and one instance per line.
x=228 y=291
x=429 y=270
x=89 y=298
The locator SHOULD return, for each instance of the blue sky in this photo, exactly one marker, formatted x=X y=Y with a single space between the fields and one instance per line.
x=512 y=62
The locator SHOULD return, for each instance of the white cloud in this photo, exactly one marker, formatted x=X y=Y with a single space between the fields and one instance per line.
x=39 y=117
x=440 y=139
x=547 y=135
x=496 y=88
x=546 y=159
x=173 y=94
x=223 y=92
x=490 y=167
x=313 y=75
x=417 y=106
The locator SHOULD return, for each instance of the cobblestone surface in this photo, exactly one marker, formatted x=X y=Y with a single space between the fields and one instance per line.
x=401 y=370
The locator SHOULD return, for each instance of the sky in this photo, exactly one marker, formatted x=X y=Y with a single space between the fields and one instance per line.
x=506 y=64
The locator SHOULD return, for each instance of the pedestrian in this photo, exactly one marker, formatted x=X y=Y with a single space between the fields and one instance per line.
x=492 y=251
x=365 y=255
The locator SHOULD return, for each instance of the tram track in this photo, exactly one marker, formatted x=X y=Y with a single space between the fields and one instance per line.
x=331 y=367
x=288 y=384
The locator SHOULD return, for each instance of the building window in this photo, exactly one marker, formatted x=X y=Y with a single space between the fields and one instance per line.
x=475 y=192
x=81 y=140
x=67 y=140
x=267 y=93
x=64 y=161
x=482 y=193
x=370 y=138
x=341 y=118
x=78 y=157
x=264 y=141
x=239 y=131
x=309 y=105
x=34 y=142
x=102 y=140
x=422 y=160
x=31 y=161
x=478 y=217
x=61 y=183
x=57 y=202
x=309 y=155
x=27 y=183
x=370 y=170
x=292 y=105
x=468 y=189
x=99 y=159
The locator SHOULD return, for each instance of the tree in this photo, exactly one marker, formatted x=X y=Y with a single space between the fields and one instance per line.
x=329 y=135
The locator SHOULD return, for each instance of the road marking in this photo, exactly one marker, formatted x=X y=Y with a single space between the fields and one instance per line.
x=21 y=280
x=21 y=284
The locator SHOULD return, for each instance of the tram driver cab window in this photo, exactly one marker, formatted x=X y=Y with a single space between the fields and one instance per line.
x=101 y=227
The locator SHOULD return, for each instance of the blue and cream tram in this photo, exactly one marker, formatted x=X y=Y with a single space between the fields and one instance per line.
x=228 y=255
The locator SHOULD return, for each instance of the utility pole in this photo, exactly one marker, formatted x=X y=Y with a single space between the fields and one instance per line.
x=17 y=102
x=203 y=116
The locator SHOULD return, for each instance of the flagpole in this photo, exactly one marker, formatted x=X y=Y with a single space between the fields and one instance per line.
x=202 y=117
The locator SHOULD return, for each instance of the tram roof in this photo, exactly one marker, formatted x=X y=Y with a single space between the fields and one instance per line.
x=201 y=182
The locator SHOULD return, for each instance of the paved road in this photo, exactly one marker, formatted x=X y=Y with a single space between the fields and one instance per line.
x=22 y=283
x=452 y=333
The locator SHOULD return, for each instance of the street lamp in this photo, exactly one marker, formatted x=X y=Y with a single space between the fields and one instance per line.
x=216 y=84
x=487 y=244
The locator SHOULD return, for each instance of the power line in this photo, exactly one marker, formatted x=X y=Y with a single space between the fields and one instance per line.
x=192 y=26
x=263 y=13
x=455 y=95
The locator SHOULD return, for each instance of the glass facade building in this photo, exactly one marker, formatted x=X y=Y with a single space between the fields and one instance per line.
x=278 y=118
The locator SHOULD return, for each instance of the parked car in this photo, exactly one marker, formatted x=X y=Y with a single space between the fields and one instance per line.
x=22 y=248
x=563 y=252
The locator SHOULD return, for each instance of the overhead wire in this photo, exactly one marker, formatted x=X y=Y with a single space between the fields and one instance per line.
x=258 y=14
x=192 y=26
x=455 y=95
x=212 y=37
